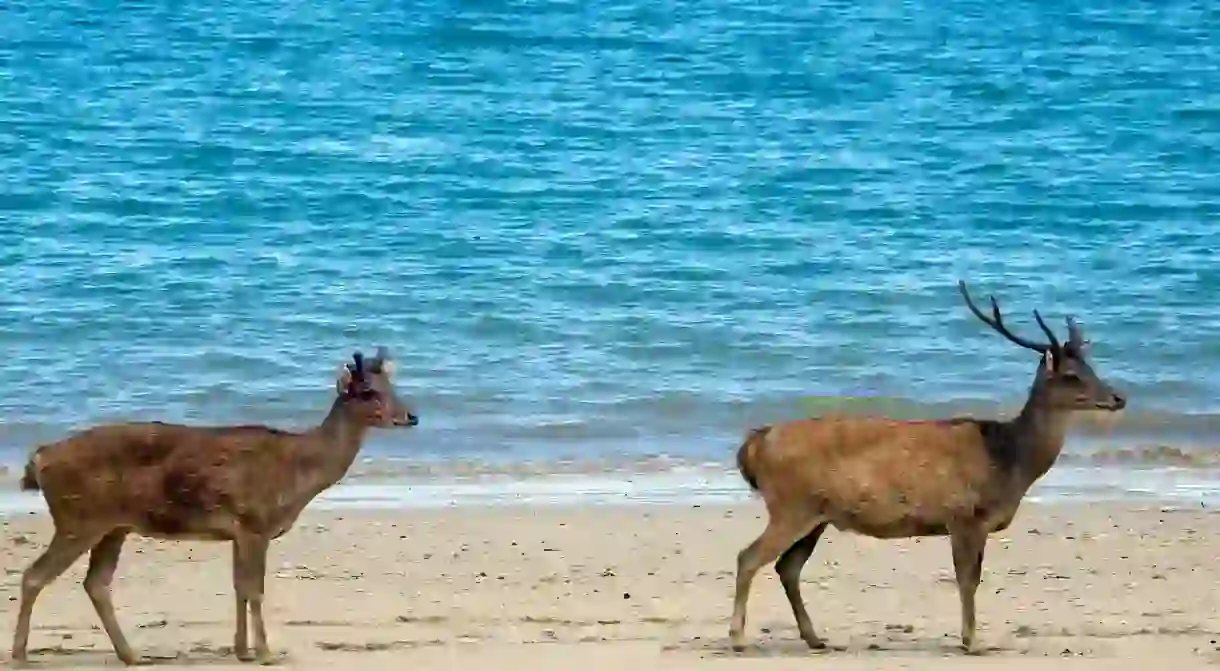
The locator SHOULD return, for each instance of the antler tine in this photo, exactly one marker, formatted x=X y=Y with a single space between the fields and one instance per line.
x=1075 y=337
x=996 y=318
x=961 y=286
x=996 y=322
x=1047 y=330
x=999 y=326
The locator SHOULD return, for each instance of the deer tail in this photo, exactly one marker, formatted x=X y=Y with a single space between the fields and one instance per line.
x=747 y=455
x=29 y=481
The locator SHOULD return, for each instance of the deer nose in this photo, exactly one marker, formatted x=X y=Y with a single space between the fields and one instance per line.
x=1120 y=401
x=412 y=419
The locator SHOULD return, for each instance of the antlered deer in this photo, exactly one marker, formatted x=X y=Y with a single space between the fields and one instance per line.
x=961 y=477
x=242 y=484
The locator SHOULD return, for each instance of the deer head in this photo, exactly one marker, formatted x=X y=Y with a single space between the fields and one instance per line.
x=1065 y=380
x=365 y=387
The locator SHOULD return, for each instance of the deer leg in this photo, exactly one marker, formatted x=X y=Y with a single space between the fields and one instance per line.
x=780 y=534
x=254 y=548
x=103 y=560
x=789 y=569
x=241 y=641
x=968 y=546
x=59 y=555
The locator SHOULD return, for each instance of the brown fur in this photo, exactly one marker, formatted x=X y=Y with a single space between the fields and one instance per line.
x=170 y=480
x=961 y=477
x=879 y=477
x=242 y=484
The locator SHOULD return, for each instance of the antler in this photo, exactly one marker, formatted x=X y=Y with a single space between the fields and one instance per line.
x=996 y=322
x=1049 y=333
x=1075 y=337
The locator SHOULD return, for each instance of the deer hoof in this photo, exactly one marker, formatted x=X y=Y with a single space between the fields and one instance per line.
x=271 y=658
x=243 y=655
x=132 y=658
x=814 y=642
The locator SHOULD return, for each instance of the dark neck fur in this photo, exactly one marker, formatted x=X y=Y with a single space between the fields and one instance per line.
x=326 y=453
x=1030 y=443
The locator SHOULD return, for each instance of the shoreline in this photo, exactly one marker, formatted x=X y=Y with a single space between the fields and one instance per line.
x=675 y=484
x=1092 y=586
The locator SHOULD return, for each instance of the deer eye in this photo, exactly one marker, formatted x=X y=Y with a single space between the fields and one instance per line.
x=1071 y=377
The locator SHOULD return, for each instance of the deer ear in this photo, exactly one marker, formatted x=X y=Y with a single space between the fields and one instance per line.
x=344 y=381
x=387 y=367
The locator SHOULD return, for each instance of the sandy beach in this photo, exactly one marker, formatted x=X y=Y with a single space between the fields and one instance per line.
x=1102 y=586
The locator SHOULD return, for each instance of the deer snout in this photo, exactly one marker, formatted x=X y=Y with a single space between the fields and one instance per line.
x=410 y=419
x=1116 y=402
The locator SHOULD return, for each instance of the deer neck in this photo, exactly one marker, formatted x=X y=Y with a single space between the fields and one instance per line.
x=1037 y=436
x=330 y=449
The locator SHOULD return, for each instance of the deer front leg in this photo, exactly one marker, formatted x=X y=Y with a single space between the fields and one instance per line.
x=241 y=641
x=968 y=545
x=254 y=558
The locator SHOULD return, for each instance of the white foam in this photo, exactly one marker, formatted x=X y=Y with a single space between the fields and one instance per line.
x=685 y=487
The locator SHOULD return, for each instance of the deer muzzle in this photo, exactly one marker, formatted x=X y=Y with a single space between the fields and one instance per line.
x=1117 y=402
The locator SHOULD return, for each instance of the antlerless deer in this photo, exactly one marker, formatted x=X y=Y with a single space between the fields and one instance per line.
x=963 y=478
x=242 y=484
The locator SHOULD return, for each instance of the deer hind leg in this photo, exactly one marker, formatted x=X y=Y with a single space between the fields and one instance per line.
x=789 y=569
x=103 y=560
x=241 y=641
x=783 y=530
x=64 y=549
x=968 y=545
x=254 y=569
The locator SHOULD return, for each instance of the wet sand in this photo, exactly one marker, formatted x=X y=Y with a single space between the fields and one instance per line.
x=1102 y=586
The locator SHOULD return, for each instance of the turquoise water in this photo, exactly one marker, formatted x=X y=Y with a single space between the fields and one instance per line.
x=603 y=228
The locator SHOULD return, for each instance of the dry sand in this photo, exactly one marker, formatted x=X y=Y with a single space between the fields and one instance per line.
x=1095 y=587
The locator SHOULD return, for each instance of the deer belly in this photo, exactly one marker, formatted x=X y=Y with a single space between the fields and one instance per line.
x=171 y=523
x=193 y=536
x=890 y=517
x=172 y=532
x=904 y=526
x=893 y=511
